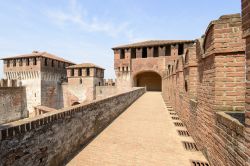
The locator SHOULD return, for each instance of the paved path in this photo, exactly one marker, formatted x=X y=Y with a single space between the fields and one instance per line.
x=143 y=135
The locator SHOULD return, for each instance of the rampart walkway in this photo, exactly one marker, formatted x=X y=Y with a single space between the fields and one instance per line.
x=144 y=134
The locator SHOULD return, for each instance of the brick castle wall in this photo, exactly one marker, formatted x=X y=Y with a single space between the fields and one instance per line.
x=212 y=80
x=51 y=138
x=13 y=105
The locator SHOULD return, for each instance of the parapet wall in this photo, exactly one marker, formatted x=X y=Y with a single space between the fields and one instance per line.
x=204 y=84
x=13 y=105
x=106 y=91
x=50 y=138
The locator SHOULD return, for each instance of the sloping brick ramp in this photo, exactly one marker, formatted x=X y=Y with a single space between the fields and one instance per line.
x=144 y=134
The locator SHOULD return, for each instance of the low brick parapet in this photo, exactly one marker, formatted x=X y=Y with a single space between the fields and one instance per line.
x=59 y=133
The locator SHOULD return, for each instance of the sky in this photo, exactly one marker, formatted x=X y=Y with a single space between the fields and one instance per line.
x=85 y=30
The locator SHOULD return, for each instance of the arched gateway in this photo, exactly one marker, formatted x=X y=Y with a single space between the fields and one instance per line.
x=151 y=80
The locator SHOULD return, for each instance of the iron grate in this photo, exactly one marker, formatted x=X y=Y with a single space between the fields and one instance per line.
x=175 y=118
x=199 y=163
x=183 y=133
x=191 y=146
x=178 y=124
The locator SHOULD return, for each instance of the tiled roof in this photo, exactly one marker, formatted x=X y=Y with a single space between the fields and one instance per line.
x=39 y=54
x=83 y=65
x=153 y=43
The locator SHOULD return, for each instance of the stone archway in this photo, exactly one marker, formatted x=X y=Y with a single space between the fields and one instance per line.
x=151 y=80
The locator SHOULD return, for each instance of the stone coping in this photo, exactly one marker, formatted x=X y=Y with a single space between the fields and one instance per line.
x=230 y=122
x=11 y=129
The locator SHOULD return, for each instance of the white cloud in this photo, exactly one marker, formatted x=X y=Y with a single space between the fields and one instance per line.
x=77 y=15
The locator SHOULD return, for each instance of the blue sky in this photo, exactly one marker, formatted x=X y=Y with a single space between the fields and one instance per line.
x=86 y=30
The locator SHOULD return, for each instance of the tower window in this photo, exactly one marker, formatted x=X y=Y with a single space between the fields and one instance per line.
x=14 y=62
x=133 y=53
x=122 y=54
x=79 y=72
x=168 y=50
x=72 y=72
x=34 y=61
x=144 y=52
x=87 y=72
x=27 y=62
x=156 y=52
x=20 y=62
x=8 y=63
x=180 y=49
x=46 y=62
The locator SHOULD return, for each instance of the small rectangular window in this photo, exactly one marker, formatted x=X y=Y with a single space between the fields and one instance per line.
x=20 y=62
x=122 y=54
x=52 y=63
x=27 y=62
x=181 y=49
x=8 y=63
x=87 y=72
x=34 y=61
x=72 y=72
x=156 y=52
x=133 y=53
x=168 y=50
x=14 y=62
x=144 y=52
x=45 y=62
x=79 y=72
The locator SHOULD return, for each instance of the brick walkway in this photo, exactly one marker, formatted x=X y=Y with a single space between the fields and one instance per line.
x=143 y=135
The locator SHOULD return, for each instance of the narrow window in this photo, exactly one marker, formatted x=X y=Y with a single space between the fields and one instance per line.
x=79 y=72
x=156 y=52
x=46 y=62
x=8 y=63
x=34 y=61
x=80 y=81
x=52 y=63
x=27 y=62
x=122 y=54
x=99 y=83
x=180 y=49
x=87 y=72
x=144 y=52
x=72 y=72
x=64 y=65
x=122 y=68
x=168 y=50
x=58 y=64
x=20 y=62
x=133 y=53
x=14 y=62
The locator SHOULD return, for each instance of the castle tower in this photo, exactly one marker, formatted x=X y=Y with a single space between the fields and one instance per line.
x=82 y=80
x=144 y=64
x=41 y=74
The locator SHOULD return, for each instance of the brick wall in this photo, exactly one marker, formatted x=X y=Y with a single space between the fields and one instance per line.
x=246 y=35
x=13 y=104
x=212 y=80
x=50 y=138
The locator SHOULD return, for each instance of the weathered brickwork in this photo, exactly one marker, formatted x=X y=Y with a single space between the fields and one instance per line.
x=130 y=61
x=51 y=138
x=82 y=82
x=210 y=80
x=41 y=73
x=13 y=105
x=246 y=35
